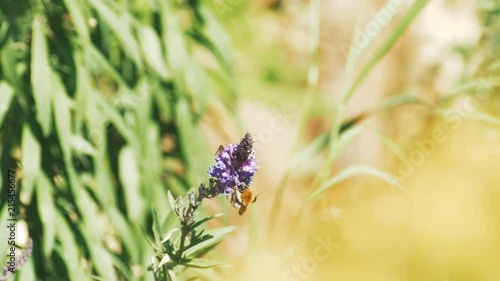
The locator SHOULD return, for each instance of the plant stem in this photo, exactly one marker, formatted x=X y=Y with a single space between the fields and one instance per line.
x=185 y=220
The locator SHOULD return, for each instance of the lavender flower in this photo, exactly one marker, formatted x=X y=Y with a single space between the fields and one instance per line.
x=233 y=171
x=235 y=166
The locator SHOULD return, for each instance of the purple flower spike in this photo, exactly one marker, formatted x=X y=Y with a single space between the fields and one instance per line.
x=235 y=166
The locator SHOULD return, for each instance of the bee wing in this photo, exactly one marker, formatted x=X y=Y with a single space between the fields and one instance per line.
x=220 y=149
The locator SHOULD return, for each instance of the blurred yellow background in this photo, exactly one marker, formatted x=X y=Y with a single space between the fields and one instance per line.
x=447 y=228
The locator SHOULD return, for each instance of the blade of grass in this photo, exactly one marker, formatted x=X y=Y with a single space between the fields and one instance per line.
x=6 y=95
x=46 y=210
x=356 y=170
x=31 y=160
x=152 y=51
x=40 y=74
x=129 y=175
x=396 y=33
x=121 y=26
x=69 y=250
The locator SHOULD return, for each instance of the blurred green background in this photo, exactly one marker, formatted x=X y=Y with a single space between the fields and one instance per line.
x=376 y=127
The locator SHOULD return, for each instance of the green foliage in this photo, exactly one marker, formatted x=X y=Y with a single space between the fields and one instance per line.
x=483 y=83
x=172 y=253
x=89 y=91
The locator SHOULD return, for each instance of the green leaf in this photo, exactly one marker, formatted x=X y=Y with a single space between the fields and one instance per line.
x=78 y=18
x=10 y=71
x=202 y=221
x=4 y=32
x=88 y=209
x=130 y=178
x=220 y=43
x=169 y=235
x=216 y=236
x=161 y=100
x=472 y=115
x=47 y=212
x=205 y=263
x=345 y=139
x=190 y=139
x=308 y=152
x=117 y=120
x=196 y=84
x=61 y=104
x=474 y=86
x=126 y=233
x=156 y=226
x=166 y=258
x=27 y=271
x=389 y=42
x=103 y=261
x=123 y=266
x=82 y=97
x=169 y=222
x=394 y=147
x=174 y=182
x=82 y=146
x=122 y=29
x=397 y=100
x=173 y=40
x=40 y=76
x=6 y=95
x=69 y=250
x=171 y=200
x=157 y=248
x=172 y=275
x=152 y=51
x=31 y=161
x=98 y=64
x=356 y=170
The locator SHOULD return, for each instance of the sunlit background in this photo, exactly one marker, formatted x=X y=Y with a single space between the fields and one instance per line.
x=446 y=228
x=376 y=127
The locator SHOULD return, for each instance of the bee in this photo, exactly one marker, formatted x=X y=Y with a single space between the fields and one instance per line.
x=247 y=197
x=241 y=200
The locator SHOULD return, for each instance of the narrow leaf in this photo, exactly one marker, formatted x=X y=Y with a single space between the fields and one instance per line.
x=152 y=51
x=169 y=235
x=202 y=221
x=216 y=237
x=71 y=253
x=130 y=179
x=205 y=263
x=6 y=95
x=156 y=226
x=40 y=76
x=61 y=104
x=166 y=258
x=47 y=212
x=78 y=18
x=171 y=200
x=31 y=161
x=122 y=29
x=396 y=33
x=354 y=171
